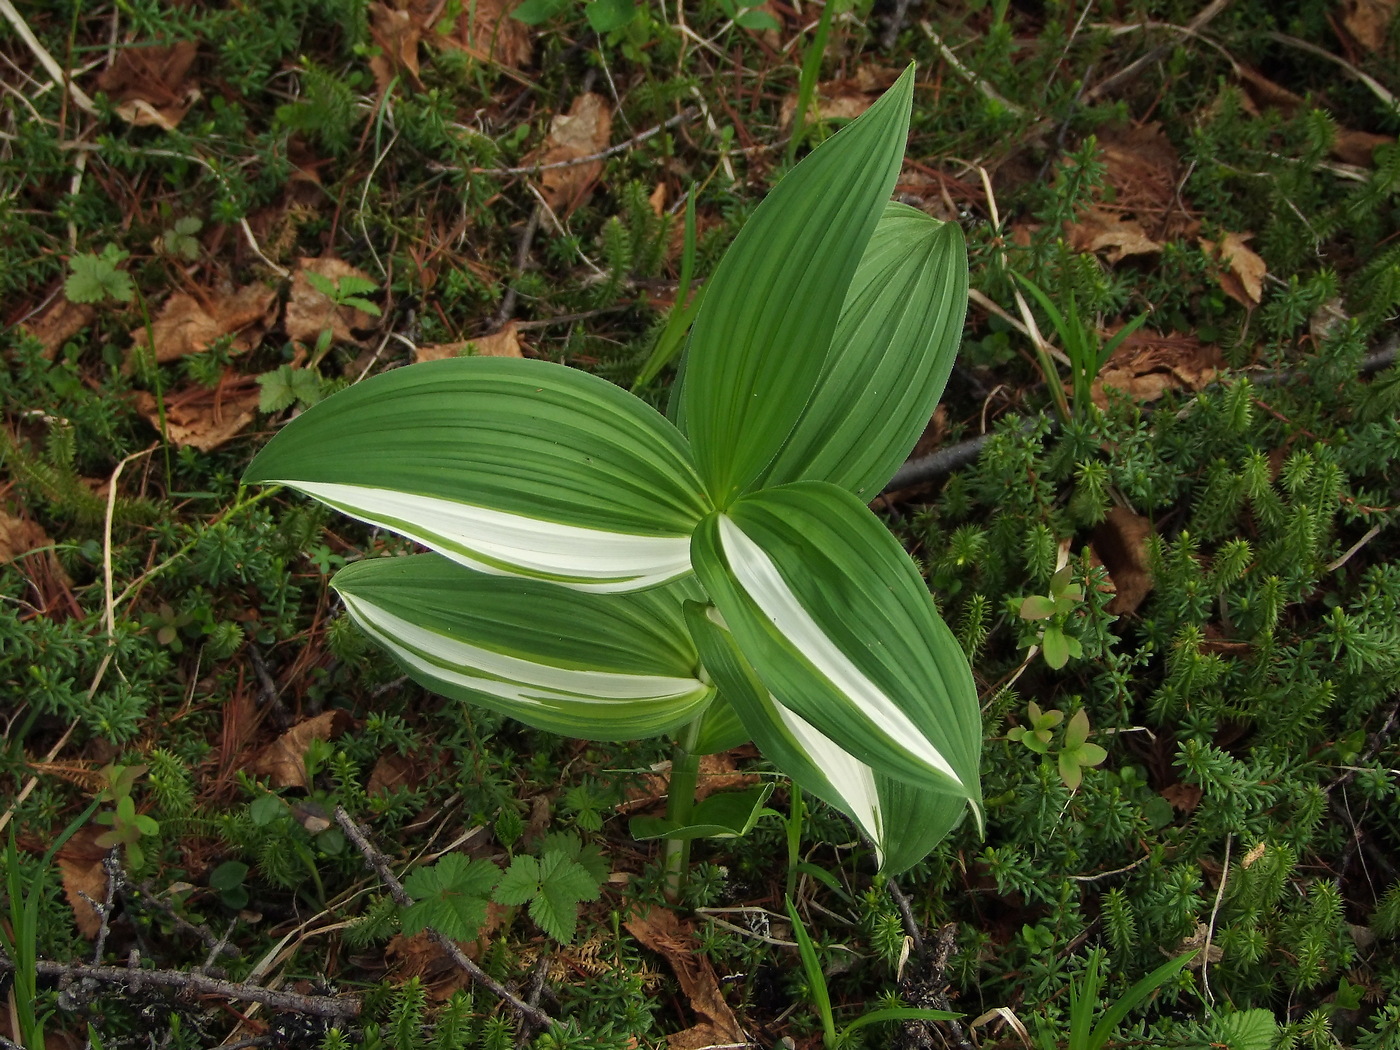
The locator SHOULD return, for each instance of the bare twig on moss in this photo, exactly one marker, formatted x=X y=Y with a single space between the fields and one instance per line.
x=376 y=860
x=1132 y=69
x=134 y=978
x=611 y=151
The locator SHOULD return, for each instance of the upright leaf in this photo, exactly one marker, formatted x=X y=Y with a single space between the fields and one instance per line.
x=585 y=665
x=895 y=342
x=903 y=821
x=841 y=629
x=506 y=466
x=762 y=335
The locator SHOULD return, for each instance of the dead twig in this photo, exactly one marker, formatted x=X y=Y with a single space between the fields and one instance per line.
x=611 y=151
x=376 y=860
x=1135 y=67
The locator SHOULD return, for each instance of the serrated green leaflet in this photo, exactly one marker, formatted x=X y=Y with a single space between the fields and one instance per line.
x=771 y=307
x=895 y=342
x=590 y=666
x=840 y=628
x=516 y=467
x=903 y=821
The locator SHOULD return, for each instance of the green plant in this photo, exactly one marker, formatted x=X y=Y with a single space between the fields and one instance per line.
x=832 y=1038
x=1074 y=755
x=1055 y=609
x=97 y=278
x=553 y=885
x=1084 y=1000
x=451 y=896
x=607 y=573
x=127 y=826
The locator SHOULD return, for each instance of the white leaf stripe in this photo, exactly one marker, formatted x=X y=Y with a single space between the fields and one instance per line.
x=503 y=543
x=848 y=776
x=505 y=676
x=759 y=578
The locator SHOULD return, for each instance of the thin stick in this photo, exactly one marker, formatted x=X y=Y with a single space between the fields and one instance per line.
x=380 y=864
x=135 y=978
x=611 y=151
x=1210 y=927
x=1133 y=68
x=972 y=78
x=50 y=64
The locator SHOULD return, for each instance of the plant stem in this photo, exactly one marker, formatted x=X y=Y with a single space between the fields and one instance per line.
x=796 y=811
x=680 y=801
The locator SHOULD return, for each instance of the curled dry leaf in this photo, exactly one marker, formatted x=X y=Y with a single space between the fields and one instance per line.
x=203 y=418
x=309 y=312
x=150 y=84
x=718 y=772
x=60 y=322
x=189 y=325
x=1097 y=230
x=1242 y=277
x=1120 y=541
x=582 y=132
x=505 y=343
x=19 y=536
x=1147 y=365
x=397 y=33
x=282 y=760
x=661 y=931
x=84 y=878
x=1368 y=21
x=483 y=29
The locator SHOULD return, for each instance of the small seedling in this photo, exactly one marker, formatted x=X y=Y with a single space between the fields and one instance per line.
x=1075 y=753
x=1055 y=608
x=553 y=886
x=98 y=278
x=451 y=896
x=127 y=826
x=180 y=239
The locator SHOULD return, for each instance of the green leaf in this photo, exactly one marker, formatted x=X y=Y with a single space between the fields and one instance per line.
x=840 y=628
x=723 y=815
x=1078 y=729
x=450 y=896
x=586 y=665
x=1120 y=1009
x=1055 y=645
x=535 y=12
x=507 y=466
x=288 y=386
x=1070 y=771
x=1249 y=1029
x=96 y=278
x=721 y=730
x=553 y=886
x=899 y=331
x=757 y=20
x=900 y=1013
x=1037 y=607
x=520 y=882
x=904 y=822
x=569 y=844
x=811 y=966
x=761 y=338
x=606 y=15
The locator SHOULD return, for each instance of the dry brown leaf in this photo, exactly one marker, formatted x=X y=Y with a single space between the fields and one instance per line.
x=1368 y=21
x=843 y=99
x=204 y=418
x=80 y=864
x=1201 y=939
x=1262 y=93
x=1146 y=365
x=1097 y=230
x=60 y=322
x=664 y=933
x=1243 y=280
x=392 y=771
x=582 y=132
x=718 y=772
x=1358 y=147
x=309 y=313
x=483 y=29
x=281 y=761
x=397 y=33
x=149 y=85
x=505 y=343
x=1120 y=541
x=657 y=200
x=1184 y=797
x=19 y=536
x=187 y=325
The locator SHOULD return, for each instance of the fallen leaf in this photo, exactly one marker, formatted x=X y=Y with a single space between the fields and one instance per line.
x=309 y=312
x=1185 y=797
x=204 y=418
x=664 y=933
x=148 y=84
x=60 y=322
x=282 y=760
x=1097 y=230
x=1368 y=21
x=657 y=200
x=19 y=536
x=505 y=343
x=1243 y=280
x=80 y=865
x=1146 y=365
x=392 y=771
x=843 y=99
x=1261 y=93
x=582 y=132
x=1143 y=170
x=189 y=325
x=1359 y=147
x=483 y=29
x=1120 y=541
x=1196 y=942
x=718 y=772
x=397 y=34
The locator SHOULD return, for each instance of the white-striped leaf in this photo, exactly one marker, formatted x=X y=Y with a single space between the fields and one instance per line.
x=589 y=666
x=506 y=466
x=899 y=332
x=770 y=310
x=840 y=628
x=903 y=821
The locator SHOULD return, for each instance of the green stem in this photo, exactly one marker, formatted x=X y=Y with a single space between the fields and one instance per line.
x=680 y=802
x=796 y=812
